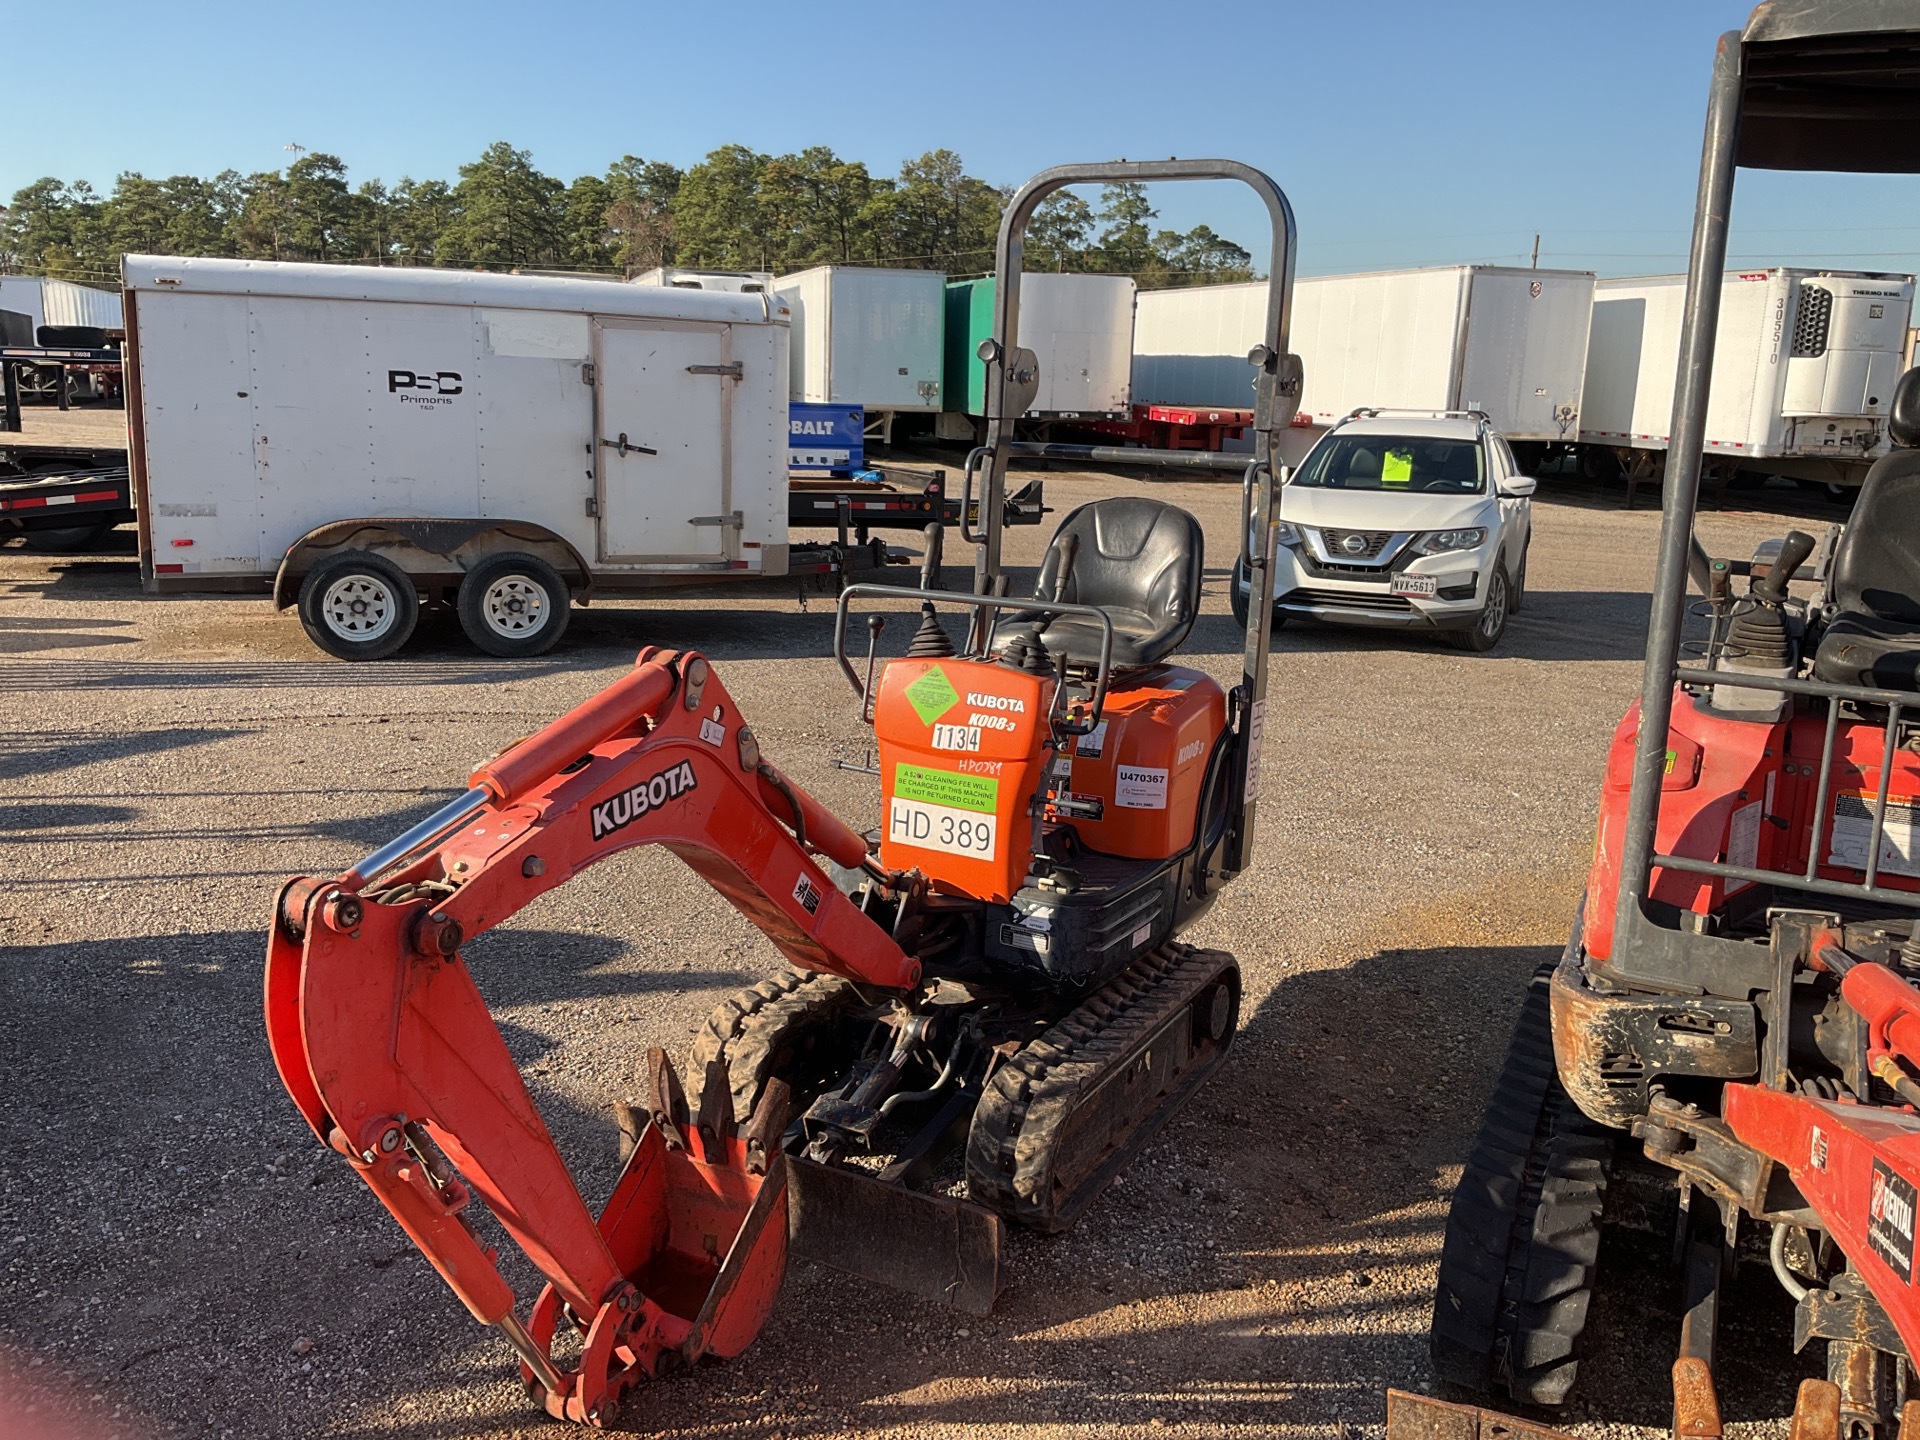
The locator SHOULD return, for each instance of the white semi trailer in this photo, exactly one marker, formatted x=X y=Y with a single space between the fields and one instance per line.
x=1803 y=369
x=361 y=441
x=1509 y=342
x=869 y=337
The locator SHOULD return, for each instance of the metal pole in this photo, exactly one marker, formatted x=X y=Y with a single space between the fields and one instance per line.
x=1009 y=254
x=1682 y=484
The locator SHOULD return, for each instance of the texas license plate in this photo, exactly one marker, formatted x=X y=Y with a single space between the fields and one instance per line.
x=1416 y=585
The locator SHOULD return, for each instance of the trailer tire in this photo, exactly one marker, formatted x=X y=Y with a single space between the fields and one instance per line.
x=359 y=606
x=514 y=605
x=66 y=539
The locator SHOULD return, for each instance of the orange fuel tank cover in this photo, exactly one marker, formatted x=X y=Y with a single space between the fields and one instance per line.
x=1145 y=763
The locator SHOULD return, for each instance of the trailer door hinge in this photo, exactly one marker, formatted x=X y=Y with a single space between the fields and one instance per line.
x=735 y=521
x=731 y=370
x=593 y=506
x=587 y=373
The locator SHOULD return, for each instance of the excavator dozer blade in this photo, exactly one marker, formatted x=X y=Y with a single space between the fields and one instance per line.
x=929 y=1245
x=1420 y=1417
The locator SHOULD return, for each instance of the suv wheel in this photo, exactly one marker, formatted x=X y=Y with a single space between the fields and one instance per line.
x=1491 y=623
x=1242 y=599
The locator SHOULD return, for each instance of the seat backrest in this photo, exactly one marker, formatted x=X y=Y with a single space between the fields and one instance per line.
x=1876 y=568
x=1363 y=469
x=1138 y=559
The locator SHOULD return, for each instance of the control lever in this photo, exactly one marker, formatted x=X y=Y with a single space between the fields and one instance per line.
x=1771 y=588
x=875 y=624
x=1069 y=549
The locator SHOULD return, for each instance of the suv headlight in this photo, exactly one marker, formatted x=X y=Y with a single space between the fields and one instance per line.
x=1438 y=542
x=1285 y=533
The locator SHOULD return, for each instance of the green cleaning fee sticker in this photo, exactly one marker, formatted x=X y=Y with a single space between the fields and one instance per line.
x=942 y=787
x=932 y=695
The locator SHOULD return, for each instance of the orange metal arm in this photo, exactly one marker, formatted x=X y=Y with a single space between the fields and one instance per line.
x=383 y=1040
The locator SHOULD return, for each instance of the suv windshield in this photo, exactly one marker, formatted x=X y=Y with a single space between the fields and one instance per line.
x=1391 y=462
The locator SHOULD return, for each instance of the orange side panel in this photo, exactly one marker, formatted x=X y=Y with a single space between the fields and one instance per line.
x=1145 y=763
x=962 y=750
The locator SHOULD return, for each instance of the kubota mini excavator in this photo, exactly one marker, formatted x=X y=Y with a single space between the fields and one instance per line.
x=1731 y=1043
x=987 y=1013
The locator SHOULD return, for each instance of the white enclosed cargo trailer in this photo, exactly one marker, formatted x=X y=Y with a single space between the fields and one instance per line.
x=360 y=439
x=1803 y=370
x=867 y=337
x=738 y=282
x=1509 y=342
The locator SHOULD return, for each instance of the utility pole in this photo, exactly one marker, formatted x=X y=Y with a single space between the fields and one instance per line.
x=1536 y=253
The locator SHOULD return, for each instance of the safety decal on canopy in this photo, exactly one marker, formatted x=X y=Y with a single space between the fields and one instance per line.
x=932 y=695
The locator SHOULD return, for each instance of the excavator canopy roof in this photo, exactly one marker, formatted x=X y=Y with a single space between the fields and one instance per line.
x=1831 y=85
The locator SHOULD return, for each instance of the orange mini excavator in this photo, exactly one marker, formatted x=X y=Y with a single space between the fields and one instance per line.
x=987 y=1014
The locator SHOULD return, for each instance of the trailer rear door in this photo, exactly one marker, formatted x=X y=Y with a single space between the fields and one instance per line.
x=665 y=494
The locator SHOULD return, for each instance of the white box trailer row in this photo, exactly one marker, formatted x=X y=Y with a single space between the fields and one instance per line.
x=1804 y=364
x=359 y=436
x=1804 y=361
x=1506 y=341
x=59 y=302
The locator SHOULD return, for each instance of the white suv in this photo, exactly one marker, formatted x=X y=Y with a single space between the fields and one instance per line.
x=1407 y=519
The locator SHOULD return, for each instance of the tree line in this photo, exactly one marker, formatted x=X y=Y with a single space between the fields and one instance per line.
x=735 y=210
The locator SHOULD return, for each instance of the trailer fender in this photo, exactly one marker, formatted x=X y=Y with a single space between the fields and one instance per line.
x=424 y=547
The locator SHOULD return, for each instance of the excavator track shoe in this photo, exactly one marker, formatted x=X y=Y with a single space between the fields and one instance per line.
x=1070 y=1110
x=1523 y=1233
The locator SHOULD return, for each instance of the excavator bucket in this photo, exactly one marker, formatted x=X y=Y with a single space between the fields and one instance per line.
x=697 y=1224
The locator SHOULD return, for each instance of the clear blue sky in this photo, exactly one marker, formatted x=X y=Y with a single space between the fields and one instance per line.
x=1405 y=133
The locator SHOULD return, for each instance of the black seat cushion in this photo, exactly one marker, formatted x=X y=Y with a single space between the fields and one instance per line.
x=1873 y=638
x=1139 y=560
x=1859 y=649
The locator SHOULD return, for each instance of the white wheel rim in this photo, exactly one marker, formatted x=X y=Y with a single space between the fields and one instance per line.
x=515 y=606
x=360 y=607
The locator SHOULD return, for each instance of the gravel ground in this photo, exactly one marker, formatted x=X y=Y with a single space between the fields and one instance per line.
x=182 y=1259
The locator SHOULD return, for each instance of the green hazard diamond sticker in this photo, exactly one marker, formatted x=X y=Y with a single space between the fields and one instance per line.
x=932 y=695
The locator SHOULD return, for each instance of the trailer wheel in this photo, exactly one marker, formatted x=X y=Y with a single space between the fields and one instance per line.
x=359 y=606
x=514 y=605
x=66 y=539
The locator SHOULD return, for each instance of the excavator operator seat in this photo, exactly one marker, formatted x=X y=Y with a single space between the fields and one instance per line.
x=1873 y=636
x=1139 y=560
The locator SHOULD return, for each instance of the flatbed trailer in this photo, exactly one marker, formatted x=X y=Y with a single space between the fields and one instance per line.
x=99 y=363
x=1178 y=427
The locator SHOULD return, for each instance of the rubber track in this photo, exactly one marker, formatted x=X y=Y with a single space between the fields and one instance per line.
x=1031 y=1097
x=1523 y=1234
x=747 y=1027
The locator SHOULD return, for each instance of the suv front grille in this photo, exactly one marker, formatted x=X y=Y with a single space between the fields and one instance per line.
x=1373 y=542
x=1344 y=600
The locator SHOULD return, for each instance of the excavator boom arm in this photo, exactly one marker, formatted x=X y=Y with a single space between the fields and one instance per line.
x=386 y=1045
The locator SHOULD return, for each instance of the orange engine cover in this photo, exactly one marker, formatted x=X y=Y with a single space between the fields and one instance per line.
x=962 y=751
x=1145 y=762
